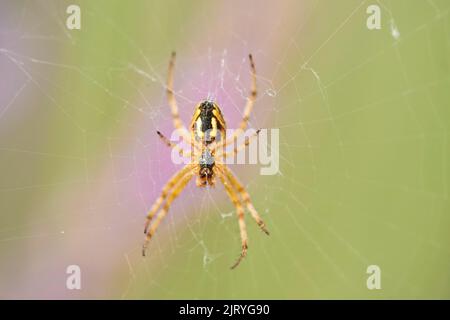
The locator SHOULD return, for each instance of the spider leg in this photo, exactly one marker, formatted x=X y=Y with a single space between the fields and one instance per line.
x=245 y=196
x=179 y=187
x=237 y=149
x=165 y=192
x=248 y=106
x=181 y=151
x=240 y=213
x=178 y=124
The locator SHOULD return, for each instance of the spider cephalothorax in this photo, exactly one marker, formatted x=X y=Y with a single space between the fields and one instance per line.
x=206 y=164
x=208 y=141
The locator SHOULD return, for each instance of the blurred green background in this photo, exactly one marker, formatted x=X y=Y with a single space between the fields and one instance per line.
x=364 y=148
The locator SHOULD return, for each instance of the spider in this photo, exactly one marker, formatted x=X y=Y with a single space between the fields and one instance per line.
x=207 y=138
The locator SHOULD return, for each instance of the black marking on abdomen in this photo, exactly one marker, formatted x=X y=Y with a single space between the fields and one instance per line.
x=206 y=114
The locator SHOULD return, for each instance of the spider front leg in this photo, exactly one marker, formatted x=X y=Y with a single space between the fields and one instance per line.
x=163 y=212
x=240 y=213
x=245 y=197
x=165 y=192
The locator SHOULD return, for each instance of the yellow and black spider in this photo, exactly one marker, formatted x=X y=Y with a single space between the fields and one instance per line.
x=208 y=141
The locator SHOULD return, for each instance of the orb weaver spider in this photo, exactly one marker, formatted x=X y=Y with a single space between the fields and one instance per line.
x=208 y=141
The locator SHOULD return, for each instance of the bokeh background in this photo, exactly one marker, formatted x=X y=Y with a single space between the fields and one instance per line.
x=364 y=148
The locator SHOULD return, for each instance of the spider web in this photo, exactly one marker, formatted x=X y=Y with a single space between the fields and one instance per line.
x=364 y=143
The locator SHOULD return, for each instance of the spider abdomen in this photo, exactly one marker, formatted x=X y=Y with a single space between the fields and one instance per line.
x=208 y=124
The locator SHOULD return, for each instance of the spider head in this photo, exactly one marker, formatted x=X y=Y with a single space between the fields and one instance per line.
x=205 y=177
x=207 y=122
x=206 y=172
